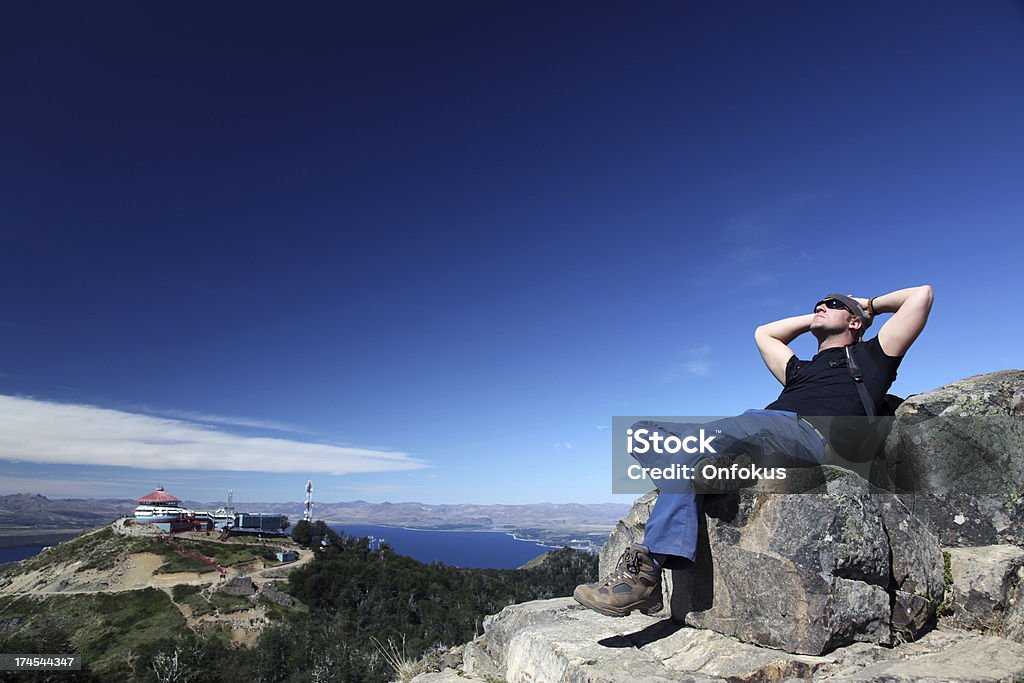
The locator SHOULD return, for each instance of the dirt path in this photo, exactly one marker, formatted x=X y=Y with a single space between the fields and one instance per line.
x=282 y=570
x=140 y=570
x=132 y=573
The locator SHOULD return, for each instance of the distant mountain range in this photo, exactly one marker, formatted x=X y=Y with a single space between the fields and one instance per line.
x=559 y=524
x=28 y=519
x=32 y=519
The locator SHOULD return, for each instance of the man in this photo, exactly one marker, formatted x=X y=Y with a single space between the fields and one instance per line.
x=778 y=435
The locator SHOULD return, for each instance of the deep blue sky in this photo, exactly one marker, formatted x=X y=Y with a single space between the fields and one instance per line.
x=467 y=234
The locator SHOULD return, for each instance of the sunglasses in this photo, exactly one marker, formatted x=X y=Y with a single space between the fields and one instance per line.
x=834 y=304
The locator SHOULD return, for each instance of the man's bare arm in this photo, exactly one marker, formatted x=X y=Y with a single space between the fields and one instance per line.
x=910 y=308
x=773 y=339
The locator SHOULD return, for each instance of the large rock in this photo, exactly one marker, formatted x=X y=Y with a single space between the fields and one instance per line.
x=240 y=585
x=805 y=573
x=558 y=640
x=988 y=590
x=477 y=662
x=958 y=454
x=271 y=592
x=944 y=656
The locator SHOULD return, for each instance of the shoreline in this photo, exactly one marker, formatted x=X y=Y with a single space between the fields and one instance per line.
x=491 y=531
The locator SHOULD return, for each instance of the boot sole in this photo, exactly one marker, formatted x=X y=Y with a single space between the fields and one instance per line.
x=645 y=606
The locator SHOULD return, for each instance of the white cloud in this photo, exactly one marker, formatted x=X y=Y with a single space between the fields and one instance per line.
x=698 y=362
x=47 y=432
x=208 y=418
x=701 y=368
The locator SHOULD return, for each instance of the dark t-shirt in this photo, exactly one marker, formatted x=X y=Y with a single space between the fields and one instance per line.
x=823 y=386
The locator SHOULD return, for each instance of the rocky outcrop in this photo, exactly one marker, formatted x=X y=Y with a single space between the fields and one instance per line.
x=958 y=453
x=807 y=573
x=804 y=573
x=240 y=585
x=987 y=591
x=477 y=662
x=271 y=592
x=558 y=640
x=839 y=582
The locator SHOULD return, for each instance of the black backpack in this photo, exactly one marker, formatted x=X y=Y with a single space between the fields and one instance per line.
x=873 y=446
x=889 y=404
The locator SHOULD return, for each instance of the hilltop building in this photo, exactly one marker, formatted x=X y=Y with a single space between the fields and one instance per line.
x=165 y=511
x=258 y=523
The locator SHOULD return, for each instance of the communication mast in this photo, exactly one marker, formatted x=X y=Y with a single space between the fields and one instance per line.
x=308 y=514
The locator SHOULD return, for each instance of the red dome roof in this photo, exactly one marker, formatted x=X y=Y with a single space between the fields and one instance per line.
x=159 y=496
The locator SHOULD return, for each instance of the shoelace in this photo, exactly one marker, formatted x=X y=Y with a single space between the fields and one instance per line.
x=628 y=564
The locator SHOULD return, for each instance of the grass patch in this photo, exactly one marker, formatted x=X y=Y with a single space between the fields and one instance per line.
x=98 y=547
x=224 y=554
x=182 y=591
x=181 y=563
x=106 y=629
x=279 y=612
x=225 y=604
x=946 y=607
x=404 y=666
x=202 y=604
x=199 y=605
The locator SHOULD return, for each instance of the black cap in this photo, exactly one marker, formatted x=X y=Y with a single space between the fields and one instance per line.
x=853 y=307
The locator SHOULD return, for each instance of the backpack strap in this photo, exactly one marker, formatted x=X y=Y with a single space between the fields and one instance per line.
x=858 y=379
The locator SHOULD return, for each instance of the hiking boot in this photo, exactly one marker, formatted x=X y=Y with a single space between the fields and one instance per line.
x=634 y=584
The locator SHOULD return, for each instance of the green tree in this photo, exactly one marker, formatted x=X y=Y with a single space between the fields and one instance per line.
x=302 y=533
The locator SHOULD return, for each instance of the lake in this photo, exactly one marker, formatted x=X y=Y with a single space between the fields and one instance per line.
x=19 y=552
x=475 y=549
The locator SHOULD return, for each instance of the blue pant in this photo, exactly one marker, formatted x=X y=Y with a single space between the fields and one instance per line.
x=773 y=438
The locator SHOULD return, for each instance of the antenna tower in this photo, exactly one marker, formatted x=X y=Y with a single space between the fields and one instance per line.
x=308 y=514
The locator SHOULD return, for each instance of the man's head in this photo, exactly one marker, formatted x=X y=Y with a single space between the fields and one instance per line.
x=836 y=313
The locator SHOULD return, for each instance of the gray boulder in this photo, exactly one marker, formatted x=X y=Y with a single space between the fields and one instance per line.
x=943 y=656
x=957 y=454
x=240 y=585
x=559 y=640
x=988 y=590
x=476 y=662
x=805 y=573
x=271 y=592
